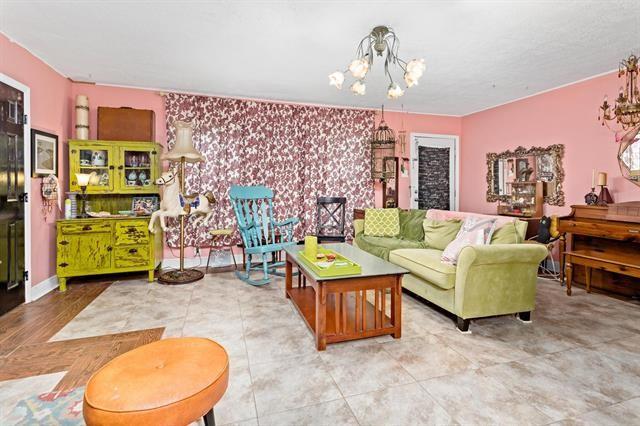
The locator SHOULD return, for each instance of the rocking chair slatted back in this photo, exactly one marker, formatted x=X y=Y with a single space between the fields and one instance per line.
x=253 y=207
x=261 y=234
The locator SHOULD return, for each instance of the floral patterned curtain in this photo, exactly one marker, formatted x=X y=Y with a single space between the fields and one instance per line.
x=299 y=151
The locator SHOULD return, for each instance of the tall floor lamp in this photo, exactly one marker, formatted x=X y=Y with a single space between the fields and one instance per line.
x=184 y=152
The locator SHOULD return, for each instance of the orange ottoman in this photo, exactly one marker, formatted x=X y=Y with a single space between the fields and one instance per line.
x=168 y=382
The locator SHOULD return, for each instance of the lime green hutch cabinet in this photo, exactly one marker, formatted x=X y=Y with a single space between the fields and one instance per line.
x=110 y=245
x=120 y=167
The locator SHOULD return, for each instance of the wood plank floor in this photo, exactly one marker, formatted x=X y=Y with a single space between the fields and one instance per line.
x=25 y=331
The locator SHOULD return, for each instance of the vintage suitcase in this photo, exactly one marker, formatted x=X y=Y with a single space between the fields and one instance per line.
x=126 y=124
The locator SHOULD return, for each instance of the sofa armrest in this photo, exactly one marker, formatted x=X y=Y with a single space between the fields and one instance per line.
x=497 y=279
x=358 y=227
x=501 y=253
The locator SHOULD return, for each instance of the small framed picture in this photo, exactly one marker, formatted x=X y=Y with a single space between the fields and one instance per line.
x=44 y=153
x=144 y=206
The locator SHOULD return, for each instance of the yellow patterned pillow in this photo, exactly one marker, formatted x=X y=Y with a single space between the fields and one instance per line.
x=382 y=222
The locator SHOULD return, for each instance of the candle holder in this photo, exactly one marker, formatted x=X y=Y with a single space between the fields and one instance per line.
x=591 y=199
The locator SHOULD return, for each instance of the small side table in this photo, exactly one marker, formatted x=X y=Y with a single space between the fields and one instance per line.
x=217 y=243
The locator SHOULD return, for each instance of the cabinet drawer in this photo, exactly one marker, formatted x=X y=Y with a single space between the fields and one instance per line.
x=130 y=257
x=131 y=232
x=627 y=232
x=83 y=228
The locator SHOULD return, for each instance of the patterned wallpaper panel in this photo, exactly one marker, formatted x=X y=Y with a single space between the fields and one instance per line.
x=299 y=151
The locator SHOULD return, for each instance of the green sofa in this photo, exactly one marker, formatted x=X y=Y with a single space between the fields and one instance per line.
x=488 y=280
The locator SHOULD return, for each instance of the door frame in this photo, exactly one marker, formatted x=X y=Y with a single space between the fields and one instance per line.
x=455 y=191
x=27 y=179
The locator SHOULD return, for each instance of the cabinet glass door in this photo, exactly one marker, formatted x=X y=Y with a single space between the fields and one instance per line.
x=94 y=159
x=137 y=170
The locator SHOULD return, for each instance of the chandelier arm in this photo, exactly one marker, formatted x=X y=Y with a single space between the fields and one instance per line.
x=386 y=69
x=359 y=49
x=395 y=45
x=390 y=52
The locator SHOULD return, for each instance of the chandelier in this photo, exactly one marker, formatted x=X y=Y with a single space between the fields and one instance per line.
x=383 y=149
x=626 y=111
x=383 y=41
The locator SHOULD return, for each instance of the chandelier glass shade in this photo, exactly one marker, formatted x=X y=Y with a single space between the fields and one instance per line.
x=626 y=110
x=383 y=41
x=383 y=148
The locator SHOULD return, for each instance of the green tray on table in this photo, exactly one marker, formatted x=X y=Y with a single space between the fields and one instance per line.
x=339 y=267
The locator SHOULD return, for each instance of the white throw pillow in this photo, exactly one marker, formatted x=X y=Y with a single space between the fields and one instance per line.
x=474 y=231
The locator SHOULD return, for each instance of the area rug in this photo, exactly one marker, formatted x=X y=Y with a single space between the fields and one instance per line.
x=63 y=408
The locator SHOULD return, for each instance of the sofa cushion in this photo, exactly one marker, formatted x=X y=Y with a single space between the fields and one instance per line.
x=411 y=224
x=507 y=234
x=426 y=264
x=382 y=222
x=381 y=246
x=439 y=233
x=474 y=231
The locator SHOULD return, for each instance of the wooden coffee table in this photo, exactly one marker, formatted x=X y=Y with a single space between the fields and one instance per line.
x=338 y=309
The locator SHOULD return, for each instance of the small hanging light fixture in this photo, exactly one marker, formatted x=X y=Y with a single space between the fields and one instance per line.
x=402 y=141
x=383 y=147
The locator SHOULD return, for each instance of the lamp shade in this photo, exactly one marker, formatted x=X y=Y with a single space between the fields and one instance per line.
x=85 y=178
x=183 y=148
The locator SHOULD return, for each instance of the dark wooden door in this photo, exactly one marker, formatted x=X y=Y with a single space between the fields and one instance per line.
x=12 y=197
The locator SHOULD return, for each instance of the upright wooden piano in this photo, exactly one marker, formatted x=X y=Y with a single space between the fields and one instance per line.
x=600 y=247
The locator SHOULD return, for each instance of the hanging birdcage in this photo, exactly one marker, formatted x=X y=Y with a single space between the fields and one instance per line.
x=383 y=148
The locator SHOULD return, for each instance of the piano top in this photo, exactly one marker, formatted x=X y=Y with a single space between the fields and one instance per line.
x=619 y=212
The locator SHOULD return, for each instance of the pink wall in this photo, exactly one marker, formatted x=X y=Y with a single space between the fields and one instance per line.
x=50 y=112
x=415 y=123
x=563 y=116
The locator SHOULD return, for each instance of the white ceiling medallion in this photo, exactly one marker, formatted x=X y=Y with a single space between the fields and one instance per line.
x=384 y=42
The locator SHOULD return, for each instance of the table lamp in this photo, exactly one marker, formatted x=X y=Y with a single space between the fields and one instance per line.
x=605 y=196
x=83 y=181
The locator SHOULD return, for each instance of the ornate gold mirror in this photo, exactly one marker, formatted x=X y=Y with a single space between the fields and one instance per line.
x=629 y=159
x=509 y=168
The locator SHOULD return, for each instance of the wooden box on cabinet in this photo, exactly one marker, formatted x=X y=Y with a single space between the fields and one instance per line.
x=106 y=245
x=121 y=167
x=126 y=124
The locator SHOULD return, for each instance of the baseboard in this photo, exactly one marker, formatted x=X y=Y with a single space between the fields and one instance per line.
x=44 y=287
x=222 y=259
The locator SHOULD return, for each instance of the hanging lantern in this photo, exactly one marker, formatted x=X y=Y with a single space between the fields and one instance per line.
x=383 y=151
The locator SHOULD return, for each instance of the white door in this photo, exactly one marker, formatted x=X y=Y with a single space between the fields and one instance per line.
x=434 y=171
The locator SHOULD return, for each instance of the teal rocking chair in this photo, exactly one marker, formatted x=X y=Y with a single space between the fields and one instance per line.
x=253 y=206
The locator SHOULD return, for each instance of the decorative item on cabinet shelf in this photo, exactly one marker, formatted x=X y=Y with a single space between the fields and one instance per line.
x=145 y=206
x=126 y=124
x=82 y=117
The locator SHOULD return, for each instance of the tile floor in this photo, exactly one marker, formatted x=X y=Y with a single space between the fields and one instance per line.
x=577 y=363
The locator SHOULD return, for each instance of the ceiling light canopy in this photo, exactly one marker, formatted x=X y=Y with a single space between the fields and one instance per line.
x=383 y=41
